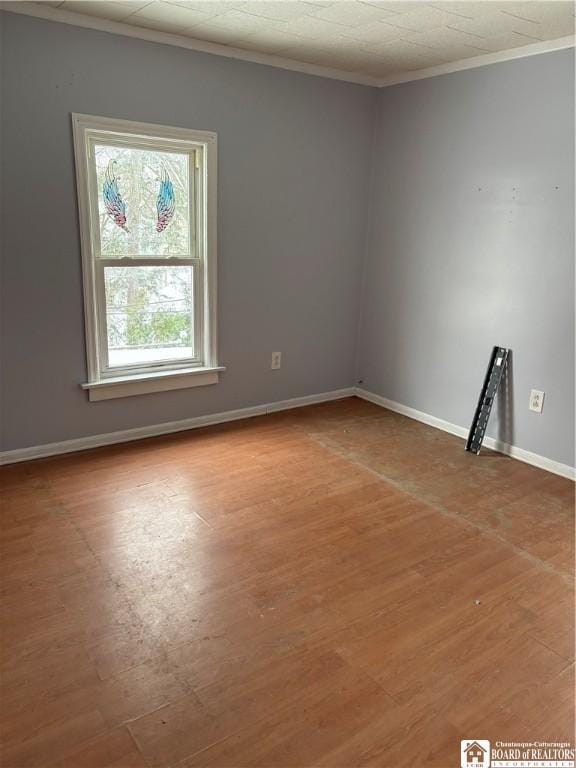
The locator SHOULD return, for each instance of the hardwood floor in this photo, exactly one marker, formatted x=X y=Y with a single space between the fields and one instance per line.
x=334 y=586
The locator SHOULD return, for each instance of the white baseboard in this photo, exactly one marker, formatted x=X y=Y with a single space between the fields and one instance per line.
x=127 y=435
x=509 y=450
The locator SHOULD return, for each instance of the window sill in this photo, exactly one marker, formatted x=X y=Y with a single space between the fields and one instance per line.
x=145 y=383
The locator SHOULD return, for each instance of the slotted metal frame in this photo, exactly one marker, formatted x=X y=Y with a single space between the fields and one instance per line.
x=490 y=387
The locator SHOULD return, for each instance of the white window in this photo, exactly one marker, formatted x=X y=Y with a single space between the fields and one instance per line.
x=147 y=204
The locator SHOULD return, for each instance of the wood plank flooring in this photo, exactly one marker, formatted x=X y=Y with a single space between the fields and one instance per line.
x=334 y=586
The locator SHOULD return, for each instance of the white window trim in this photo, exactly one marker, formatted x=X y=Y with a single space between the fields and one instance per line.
x=177 y=377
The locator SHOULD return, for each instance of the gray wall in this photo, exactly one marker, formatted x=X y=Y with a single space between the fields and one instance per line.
x=472 y=244
x=467 y=189
x=294 y=153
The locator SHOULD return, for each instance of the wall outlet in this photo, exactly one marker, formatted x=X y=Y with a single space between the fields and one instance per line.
x=536 y=400
x=276 y=361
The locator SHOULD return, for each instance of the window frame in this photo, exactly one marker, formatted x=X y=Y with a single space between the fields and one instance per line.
x=201 y=146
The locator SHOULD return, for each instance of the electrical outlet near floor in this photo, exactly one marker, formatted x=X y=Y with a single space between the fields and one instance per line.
x=536 y=400
x=276 y=361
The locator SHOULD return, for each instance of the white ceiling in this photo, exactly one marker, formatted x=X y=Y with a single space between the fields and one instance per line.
x=373 y=38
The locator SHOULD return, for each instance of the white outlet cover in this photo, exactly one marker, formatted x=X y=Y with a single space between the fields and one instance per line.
x=536 y=400
x=276 y=361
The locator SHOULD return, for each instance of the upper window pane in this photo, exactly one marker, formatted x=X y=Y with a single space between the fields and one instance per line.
x=143 y=202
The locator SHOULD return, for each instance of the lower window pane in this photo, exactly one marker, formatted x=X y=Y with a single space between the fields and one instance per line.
x=149 y=314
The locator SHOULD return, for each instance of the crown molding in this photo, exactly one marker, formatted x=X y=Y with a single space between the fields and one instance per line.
x=181 y=41
x=546 y=46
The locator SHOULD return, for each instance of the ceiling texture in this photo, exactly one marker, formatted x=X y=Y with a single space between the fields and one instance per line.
x=376 y=39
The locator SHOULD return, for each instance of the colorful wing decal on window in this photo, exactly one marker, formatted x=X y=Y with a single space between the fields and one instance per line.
x=115 y=206
x=165 y=202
